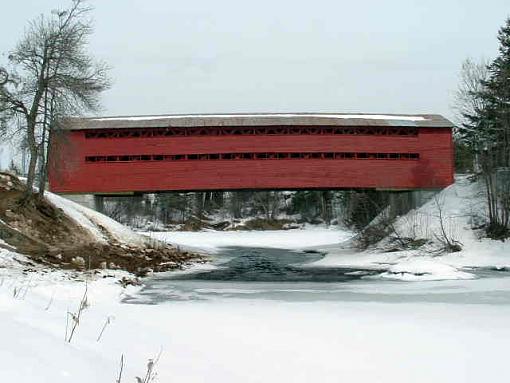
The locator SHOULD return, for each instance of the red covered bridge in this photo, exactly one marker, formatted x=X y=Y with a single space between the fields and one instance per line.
x=251 y=151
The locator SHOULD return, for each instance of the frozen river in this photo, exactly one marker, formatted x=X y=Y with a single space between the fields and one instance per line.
x=280 y=313
x=286 y=313
x=291 y=276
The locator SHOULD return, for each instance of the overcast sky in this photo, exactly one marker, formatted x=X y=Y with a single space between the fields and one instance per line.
x=392 y=56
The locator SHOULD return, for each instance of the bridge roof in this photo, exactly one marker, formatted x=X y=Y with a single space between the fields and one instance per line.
x=259 y=119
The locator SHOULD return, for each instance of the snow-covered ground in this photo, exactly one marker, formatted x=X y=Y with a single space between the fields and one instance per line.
x=370 y=330
x=95 y=222
x=248 y=340
x=211 y=241
x=458 y=204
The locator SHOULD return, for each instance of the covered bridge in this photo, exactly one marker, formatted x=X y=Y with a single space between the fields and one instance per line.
x=251 y=151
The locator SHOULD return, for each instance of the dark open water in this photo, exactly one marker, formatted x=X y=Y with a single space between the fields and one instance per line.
x=278 y=274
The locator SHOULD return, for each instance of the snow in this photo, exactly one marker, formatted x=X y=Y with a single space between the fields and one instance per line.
x=459 y=202
x=269 y=115
x=95 y=222
x=9 y=259
x=446 y=328
x=210 y=240
x=423 y=269
x=225 y=340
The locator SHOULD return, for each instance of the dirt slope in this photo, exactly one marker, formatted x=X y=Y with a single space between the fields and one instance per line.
x=38 y=229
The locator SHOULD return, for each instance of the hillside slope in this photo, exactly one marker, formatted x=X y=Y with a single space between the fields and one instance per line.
x=460 y=210
x=60 y=233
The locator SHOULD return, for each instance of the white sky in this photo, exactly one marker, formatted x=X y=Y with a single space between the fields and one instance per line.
x=202 y=56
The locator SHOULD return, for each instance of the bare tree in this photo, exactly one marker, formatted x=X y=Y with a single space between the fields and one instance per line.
x=445 y=236
x=471 y=80
x=467 y=103
x=51 y=76
x=268 y=202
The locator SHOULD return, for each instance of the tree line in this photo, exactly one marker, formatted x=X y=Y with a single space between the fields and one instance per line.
x=348 y=207
x=483 y=132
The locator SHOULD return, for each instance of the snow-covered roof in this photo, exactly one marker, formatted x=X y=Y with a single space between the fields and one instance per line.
x=258 y=119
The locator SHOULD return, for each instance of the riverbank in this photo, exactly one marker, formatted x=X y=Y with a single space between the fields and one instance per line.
x=56 y=232
x=211 y=240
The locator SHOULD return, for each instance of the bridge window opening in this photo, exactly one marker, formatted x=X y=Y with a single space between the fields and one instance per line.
x=255 y=131
x=255 y=156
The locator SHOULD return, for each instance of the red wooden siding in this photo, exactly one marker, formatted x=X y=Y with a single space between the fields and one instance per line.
x=70 y=173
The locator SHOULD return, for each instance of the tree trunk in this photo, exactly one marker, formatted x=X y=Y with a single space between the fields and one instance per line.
x=44 y=148
x=32 y=147
x=43 y=168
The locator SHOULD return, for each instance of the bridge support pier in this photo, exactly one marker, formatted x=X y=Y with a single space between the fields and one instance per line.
x=402 y=202
x=99 y=203
x=92 y=201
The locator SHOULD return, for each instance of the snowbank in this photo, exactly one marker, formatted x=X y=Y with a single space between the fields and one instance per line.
x=462 y=207
x=96 y=222
x=10 y=260
x=211 y=240
x=424 y=269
